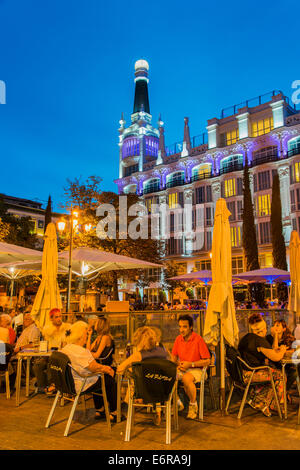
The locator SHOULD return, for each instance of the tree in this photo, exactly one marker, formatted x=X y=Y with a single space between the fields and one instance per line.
x=48 y=213
x=87 y=197
x=278 y=243
x=249 y=236
x=17 y=230
x=171 y=270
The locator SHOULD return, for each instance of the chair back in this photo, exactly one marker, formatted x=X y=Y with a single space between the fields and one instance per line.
x=61 y=373
x=233 y=365
x=154 y=379
x=6 y=351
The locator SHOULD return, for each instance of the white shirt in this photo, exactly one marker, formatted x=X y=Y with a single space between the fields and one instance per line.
x=31 y=334
x=80 y=360
x=55 y=336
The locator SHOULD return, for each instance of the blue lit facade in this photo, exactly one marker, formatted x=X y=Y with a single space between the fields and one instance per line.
x=199 y=170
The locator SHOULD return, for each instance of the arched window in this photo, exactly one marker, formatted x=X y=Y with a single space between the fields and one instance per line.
x=151 y=186
x=131 y=147
x=201 y=172
x=232 y=163
x=294 y=146
x=130 y=189
x=175 y=179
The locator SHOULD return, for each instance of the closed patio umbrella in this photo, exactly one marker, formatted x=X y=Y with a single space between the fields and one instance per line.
x=48 y=296
x=294 y=297
x=220 y=319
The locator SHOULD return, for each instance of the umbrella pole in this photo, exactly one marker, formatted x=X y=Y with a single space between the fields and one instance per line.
x=11 y=292
x=222 y=368
x=70 y=264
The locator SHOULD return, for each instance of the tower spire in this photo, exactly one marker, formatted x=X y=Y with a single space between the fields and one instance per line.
x=141 y=99
x=186 y=138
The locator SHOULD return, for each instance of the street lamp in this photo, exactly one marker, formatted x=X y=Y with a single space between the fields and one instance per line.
x=74 y=223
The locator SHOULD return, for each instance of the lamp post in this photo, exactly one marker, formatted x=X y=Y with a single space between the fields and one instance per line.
x=61 y=227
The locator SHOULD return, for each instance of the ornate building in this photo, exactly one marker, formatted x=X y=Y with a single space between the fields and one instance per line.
x=199 y=170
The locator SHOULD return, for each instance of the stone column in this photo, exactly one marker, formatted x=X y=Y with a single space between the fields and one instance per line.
x=187 y=221
x=284 y=178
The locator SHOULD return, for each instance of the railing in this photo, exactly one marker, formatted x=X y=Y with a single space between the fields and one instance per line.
x=152 y=189
x=202 y=176
x=231 y=168
x=259 y=160
x=295 y=151
x=175 y=182
x=257 y=101
x=124 y=324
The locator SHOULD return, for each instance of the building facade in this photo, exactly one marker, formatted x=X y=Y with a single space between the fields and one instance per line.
x=199 y=170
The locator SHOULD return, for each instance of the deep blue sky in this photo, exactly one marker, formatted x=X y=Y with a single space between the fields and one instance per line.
x=69 y=69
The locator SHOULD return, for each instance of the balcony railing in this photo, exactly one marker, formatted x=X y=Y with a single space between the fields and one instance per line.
x=202 y=176
x=231 y=168
x=295 y=151
x=260 y=159
x=152 y=189
x=175 y=182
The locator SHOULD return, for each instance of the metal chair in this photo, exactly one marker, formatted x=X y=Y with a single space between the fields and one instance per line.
x=235 y=365
x=154 y=381
x=6 y=351
x=61 y=376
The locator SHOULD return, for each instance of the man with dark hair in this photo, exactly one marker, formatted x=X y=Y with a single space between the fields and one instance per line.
x=191 y=354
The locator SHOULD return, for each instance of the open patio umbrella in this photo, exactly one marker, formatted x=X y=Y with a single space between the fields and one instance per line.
x=269 y=275
x=294 y=297
x=48 y=295
x=13 y=253
x=220 y=319
x=14 y=274
x=204 y=277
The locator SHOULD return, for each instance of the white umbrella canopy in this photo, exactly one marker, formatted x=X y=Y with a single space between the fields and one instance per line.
x=294 y=297
x=89 y=261
x=48 y=296
x=220 y=319
x=13 y=253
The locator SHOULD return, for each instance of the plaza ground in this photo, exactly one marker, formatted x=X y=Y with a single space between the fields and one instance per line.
x=23 y=428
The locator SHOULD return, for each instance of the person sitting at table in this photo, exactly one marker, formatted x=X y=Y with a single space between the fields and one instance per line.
x=148 y=345
x=5 y=322
x=256 y=351
x=103 y=348
x=4 y=335
x=281 y=334
x=54 y=334
x=92 y=322
x=30 y=334
x=85 y=364
x=191 y=354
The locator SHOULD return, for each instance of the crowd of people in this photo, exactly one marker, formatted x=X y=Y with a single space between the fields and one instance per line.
x=90 y=347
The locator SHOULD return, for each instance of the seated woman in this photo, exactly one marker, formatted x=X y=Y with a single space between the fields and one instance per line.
x=83 y=362
x=103 y=348
x=281 y=334
x=256 y=350
x=5 y=322
x=148 y=345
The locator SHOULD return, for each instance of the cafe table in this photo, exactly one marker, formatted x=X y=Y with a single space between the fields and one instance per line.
x=27 y=355
x=284 y=362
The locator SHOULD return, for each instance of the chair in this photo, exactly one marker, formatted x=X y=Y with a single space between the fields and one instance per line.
x=200 y=386
x=154 y=381
x=61 y=376
x=235 y=365
x=6 y=351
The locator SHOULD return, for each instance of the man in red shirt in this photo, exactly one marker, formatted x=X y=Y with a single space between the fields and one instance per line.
x=191 y=354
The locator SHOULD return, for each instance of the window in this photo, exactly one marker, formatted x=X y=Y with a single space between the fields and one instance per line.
x=203 y=265
x=151 y=146
x=265 y=232
x=173 y=200
x=208 y=217
x=175 y=246
x=231 y=137
x=239 y=210
x=151 y=186
x=40 y=224
x=208 y=194
x=235 y=233
x=232 y=163
x=263 y=126
x=131 y=147
x=229 y=188
x=231 y=208
x=208 y=240
x=295 y=173
x=263 y=178
x=176 y=179
x=263 y=205
x=293 y=205
x=200 y=195
x=128 y=170
x=237 y=265
x=201 y=172
x=294 y=224
x=265 y=260
x=294 y=146
x=239 y=184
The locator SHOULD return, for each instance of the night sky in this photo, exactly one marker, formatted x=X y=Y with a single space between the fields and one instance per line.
x=68 y=67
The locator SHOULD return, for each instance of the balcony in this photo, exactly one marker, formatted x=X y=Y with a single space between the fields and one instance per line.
x=231 y=168
x=175 y=182
x=295 y=151
x=155 y=188
x=202 y=176
x=260 y=159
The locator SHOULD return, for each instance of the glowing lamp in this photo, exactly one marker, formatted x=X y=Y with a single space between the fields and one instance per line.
x=61 y=225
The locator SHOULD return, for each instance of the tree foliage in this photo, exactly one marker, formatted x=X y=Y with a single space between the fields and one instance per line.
x=278 y=243
x=16 y=230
